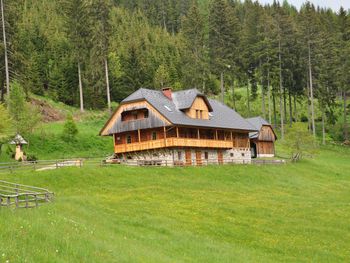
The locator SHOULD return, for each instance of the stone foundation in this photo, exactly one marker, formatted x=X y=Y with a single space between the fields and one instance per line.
x=177 y=156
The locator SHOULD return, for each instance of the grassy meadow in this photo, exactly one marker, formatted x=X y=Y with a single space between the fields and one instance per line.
x=289 y=213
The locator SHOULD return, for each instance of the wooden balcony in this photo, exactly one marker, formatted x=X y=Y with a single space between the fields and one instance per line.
x=173 y=142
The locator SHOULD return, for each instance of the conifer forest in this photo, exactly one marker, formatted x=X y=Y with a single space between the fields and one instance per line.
x=294 y=64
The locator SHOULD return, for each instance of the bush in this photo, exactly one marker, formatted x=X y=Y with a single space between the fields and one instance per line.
x=299 y=141
x=304 y=119
x=32 y=158
x=70 y=130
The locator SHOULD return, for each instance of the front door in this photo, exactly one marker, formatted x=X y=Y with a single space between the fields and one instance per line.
x=220 y=157
x=188 y=157
x=199 y=158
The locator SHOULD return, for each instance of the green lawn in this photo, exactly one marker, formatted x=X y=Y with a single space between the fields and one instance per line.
x=288 y=213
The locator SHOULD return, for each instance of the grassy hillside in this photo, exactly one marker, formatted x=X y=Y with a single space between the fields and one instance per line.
x=290 y=213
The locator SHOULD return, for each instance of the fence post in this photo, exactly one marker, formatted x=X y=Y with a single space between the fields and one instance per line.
x=16 y=200
x=26 y=200
x=36 y=200
x=80 y=163
x=56 y=165
x=8 y=201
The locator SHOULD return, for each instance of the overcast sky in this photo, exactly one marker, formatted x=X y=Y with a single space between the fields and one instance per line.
x=334 y=4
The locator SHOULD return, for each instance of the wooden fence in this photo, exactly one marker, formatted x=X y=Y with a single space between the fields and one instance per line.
x=79 y=162
x=23 y=196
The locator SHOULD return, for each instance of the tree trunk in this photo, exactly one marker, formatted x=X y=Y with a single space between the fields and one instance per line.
x=269 y=95
x=222 y=87
x=311 y=94
x=295 y=108
x=308 y=104
x=284 y=104
x=80 y=89
x=274 y=110
x=263 y=109
x=323 y=128
x=281 y=90
x=290 y=110
x=107 y=86
x=203 y=85
x=5 y=50
x=248 y=99
x=346 y=131
x=233 y=94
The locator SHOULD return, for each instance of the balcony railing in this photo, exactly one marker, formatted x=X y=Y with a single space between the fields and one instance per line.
x=174 y=142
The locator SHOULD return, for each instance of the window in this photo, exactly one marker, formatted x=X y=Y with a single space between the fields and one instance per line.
x=201 y=114
x=197 y=114
x=231 y=154
x=128 y=139
x=154 y=135
x=243 y=154
x=179 y=156
x=134 y=115
x=206 y=155
x=145 y=114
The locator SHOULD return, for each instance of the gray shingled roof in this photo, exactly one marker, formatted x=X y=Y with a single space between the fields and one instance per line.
x=257 y=122
x=220 y=117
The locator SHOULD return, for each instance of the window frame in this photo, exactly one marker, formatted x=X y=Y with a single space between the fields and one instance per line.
x=154 y=136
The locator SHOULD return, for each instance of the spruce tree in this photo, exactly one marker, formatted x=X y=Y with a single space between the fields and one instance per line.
x=78 y=30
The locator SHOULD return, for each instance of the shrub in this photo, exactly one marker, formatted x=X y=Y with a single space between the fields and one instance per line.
x=70 y=130
x=299 y=141
x=304 y=119
x=32 y=158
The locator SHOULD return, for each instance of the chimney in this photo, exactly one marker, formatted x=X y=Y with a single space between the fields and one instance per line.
x=167 y=92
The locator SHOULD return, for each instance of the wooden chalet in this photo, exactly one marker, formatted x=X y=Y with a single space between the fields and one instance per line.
x=181 y=128
x=262 y=143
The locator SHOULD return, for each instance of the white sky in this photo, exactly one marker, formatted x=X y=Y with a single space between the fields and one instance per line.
x=334 y=4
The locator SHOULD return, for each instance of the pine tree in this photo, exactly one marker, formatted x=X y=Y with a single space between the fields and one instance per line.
x=308 y=24
x=100 y=11
x=344 y=55
x=194 y=62
x=78 y=29
x=223 y=38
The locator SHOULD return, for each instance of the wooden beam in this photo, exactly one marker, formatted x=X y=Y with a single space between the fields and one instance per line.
x=164 y=130
x=177 y=132
x=216 y=134
x=198 y=135
x=139 y=134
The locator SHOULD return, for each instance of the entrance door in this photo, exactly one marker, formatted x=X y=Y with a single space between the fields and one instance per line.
x=220 y=157
x=188 y=157
x=199 y=158
x=253 y=150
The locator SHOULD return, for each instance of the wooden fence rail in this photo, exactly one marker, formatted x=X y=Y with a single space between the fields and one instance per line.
x=79 y=162
x=23 y=196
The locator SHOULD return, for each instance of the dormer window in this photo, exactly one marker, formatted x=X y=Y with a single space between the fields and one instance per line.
x=133 y=115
